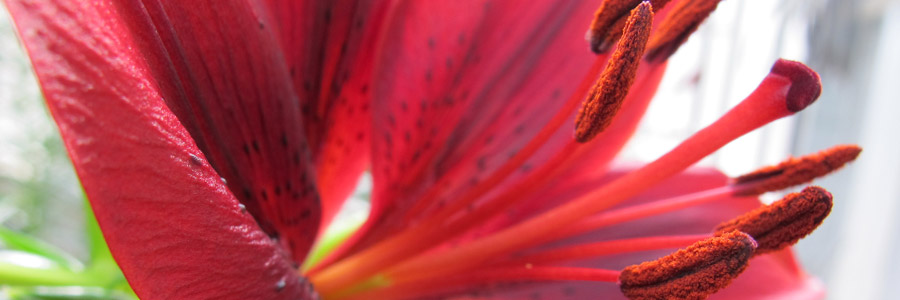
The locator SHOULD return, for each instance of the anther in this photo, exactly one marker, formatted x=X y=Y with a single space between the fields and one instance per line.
x=691 y=273
x=605 y=98
x=678 y=25
x=609 y=22
x=795 y=171
x=784 y=222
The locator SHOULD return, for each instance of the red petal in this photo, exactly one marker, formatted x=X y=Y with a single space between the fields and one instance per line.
x=328 y=47
x=221 y=72
x=456 y=95
x=776 y=275
x=171 y=224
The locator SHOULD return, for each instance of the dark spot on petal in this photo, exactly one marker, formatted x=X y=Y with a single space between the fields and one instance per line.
x=327 y=15
x=196 y=160
x=519 y=129
x=391 y=121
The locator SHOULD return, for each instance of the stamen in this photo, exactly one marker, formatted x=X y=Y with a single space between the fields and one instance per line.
x=789 y=173
x=355 y=267
x=598 y=249
x=784 y=222
x=766 y=104
x=795 y=171
x=609 y=22
x=678 y=25
x=691 y=273
x=486 y=279
x=622 y=215
x=607 y=95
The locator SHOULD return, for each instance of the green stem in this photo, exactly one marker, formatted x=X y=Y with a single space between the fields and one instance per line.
x=11 y=274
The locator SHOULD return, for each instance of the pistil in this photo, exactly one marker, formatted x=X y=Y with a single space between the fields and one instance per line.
x=770 y=101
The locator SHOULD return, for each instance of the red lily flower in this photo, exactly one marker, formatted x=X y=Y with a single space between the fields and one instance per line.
x=215 y=140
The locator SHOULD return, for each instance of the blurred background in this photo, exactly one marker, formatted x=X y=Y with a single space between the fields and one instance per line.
x=853 y=44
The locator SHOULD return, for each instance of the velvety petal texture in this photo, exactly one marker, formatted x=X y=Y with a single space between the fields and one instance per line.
x=220 y=70
x=456 y=96
x=172 y=225
x=328 y=48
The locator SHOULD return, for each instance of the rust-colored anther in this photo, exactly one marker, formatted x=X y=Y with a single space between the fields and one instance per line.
x=786 y=221
x=795 y=171
x=605 y=98
x=678 y=25
x=609 y=22
x=691 y=273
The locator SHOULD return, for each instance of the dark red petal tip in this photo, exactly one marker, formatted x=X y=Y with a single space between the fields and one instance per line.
x=806 y=86
x=784 y=222
x=691 y=273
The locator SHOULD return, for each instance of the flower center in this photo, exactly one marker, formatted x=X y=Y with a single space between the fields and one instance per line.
x=417 y=262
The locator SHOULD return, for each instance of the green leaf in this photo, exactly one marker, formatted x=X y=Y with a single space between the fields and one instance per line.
x=18 y=241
